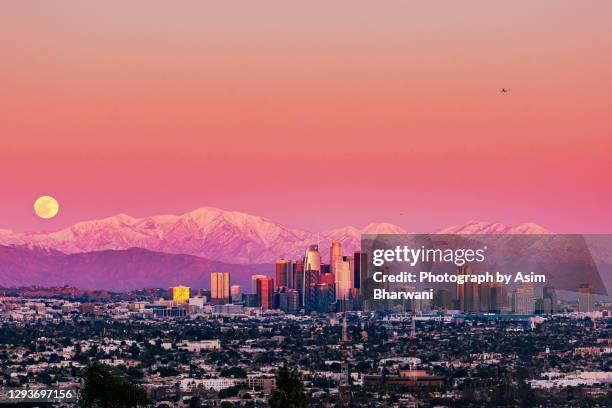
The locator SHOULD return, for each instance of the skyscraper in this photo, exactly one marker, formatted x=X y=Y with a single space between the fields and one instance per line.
x=343 y=279
x=265 y=293
x=467 y=293
x=284 y=273
x=549 y=299
x=310 y=276
x=254 y=282
x=335 y=254
x=360 y=268
x=498 y=297
x=523 y=300
x=484 y=297
x=585 y=298
x=298 y=270
x=312 y=259
x=219 y=288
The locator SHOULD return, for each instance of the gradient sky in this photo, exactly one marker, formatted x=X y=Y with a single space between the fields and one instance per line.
x=316 y=114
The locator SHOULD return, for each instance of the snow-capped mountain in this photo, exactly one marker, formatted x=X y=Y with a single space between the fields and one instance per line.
x=482 y=227
x=225 y=236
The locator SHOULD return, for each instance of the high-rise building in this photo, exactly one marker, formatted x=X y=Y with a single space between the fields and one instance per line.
x=298 y=271
x=467 y=293
x=220 y=288
x=284 y=273
x=236 y=293
x=287 y=300
x=523 y=300
x=254 y=282
x=360 y=268
x=265 y=293
x=335 y=254
x=343 y=279
x=585 y=298
x=312 y=259
x=498 y=297
x=180 y=294
x=310 y=276
x=549 y=299
x=484 y=297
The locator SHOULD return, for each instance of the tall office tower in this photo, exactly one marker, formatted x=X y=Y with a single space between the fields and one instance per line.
x=265 y=293
x=467 y=293
x=523 y=300
x=311 y=280
x=343 y=279
x=298 y=281
x=180 y=294
x=236 y=293
x=310 y=276
x=549 y=299
x=498 y=297
x=586 y=302
x=484 y=297
x=360 y=268
x=220 y=288
x=298 y=270
x=351 y=260
x=312 y=259
x=284 y=273
x=335 y=254
x=254 y=282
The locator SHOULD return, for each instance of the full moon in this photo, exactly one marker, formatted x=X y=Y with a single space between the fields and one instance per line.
x=46 y=207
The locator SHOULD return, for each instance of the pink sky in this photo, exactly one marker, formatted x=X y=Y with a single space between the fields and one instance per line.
x=314 y=114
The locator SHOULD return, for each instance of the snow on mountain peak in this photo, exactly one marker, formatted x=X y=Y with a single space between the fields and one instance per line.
x=213 y=233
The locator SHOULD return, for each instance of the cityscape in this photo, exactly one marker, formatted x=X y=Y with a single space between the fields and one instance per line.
x=224 y=345
x=311 y=204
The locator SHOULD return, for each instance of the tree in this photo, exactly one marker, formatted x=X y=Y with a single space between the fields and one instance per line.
x=105 y=389
x=289 y=392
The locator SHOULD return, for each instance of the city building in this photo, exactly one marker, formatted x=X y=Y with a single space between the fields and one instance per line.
x=284 y=273
x=310 y=276
x=180 y=294
x=523 y=300
x=265 y=293
x=287 y=300
x=585 y=298
x=549 y=299
x=220 y=288
x=335 y=255
x=343 y=279
x=254 y=282
x=360 y=268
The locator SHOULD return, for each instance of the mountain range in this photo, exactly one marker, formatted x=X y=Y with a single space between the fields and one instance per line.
x=124 y=253
x=225 y=236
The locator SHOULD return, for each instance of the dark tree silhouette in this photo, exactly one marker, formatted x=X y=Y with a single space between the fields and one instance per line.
x=289 y=392
x=105 y=389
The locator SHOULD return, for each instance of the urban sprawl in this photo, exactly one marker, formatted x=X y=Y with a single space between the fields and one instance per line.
x=224 y=346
